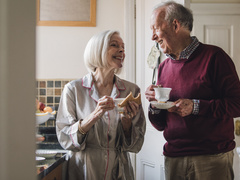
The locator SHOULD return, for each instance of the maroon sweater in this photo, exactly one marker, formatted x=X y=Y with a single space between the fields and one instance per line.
x=210 y=76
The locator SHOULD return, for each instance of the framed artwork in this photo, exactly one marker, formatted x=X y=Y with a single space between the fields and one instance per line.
x=66 y=13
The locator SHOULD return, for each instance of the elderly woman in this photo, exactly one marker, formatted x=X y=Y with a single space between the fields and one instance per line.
x=88 y=124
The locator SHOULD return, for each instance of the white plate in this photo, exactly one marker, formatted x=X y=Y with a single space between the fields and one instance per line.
x=166 y=105
x=46 y=153
x=39 y=158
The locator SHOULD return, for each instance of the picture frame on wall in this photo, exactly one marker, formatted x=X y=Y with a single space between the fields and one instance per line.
x=66 y=13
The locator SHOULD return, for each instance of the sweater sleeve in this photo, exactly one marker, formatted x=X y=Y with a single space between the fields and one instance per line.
x=226 y=86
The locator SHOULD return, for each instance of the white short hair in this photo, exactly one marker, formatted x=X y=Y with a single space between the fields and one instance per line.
x=96 y=50
x=177 y=11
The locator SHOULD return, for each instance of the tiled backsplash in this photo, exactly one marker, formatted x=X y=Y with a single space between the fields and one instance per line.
x=49 y=91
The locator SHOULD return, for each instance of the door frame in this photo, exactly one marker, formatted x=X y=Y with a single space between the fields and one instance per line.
x=130 y=39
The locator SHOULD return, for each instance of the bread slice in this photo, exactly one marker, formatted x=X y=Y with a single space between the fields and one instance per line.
x=131 y=98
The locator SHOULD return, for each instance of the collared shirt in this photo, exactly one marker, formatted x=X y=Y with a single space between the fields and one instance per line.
x=185 y=54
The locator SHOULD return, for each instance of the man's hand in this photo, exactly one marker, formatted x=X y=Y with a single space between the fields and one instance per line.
x=150 y=93
x=183 y=107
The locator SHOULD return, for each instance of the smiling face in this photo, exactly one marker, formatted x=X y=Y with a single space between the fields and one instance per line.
x=162 y=32
x=115 y=52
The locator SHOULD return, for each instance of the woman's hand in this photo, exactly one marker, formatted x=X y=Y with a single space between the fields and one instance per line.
x=183 y=107
x=104 y=104
x=130 y=111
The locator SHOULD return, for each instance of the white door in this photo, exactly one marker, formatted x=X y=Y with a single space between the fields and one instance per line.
x=219 y=24
x=149 y=161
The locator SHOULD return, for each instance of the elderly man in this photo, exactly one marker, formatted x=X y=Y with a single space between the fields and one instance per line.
x=199 y=128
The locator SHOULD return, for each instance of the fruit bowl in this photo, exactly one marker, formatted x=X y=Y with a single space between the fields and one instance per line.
x=43 y=117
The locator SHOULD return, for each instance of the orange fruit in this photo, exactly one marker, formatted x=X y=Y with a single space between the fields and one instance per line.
x=47 y=109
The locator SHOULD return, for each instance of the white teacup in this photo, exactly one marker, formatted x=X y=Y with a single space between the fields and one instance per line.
x=162 y=94
x=117 y=101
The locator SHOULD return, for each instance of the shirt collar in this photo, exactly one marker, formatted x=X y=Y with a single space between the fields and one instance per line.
x=185 y=54
x=87 y=82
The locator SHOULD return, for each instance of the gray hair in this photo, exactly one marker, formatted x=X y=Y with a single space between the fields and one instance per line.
x=178 y=12
x=96 y=51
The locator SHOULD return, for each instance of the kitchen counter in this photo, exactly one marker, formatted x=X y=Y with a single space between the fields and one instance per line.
x=53 y=167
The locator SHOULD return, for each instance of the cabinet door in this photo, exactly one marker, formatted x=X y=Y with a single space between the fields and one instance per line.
x=55 y=174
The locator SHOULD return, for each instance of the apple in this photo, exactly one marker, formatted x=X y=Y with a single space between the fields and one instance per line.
x=41 y=106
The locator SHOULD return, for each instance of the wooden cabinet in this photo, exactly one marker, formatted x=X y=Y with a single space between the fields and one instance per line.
x=55 y=174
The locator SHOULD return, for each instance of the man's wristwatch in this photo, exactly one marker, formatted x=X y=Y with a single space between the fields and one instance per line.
x=196 y=103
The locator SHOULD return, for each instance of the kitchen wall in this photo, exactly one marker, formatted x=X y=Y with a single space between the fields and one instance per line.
x=59 y=50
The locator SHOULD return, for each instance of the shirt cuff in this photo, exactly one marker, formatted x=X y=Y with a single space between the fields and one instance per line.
x=196 y=103
x=153 y=111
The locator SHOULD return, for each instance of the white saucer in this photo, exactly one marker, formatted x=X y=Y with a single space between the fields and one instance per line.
x=166 y=105
x=46 y=153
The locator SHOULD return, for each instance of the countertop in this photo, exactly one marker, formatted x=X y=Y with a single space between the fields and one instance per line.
x=51 y=162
